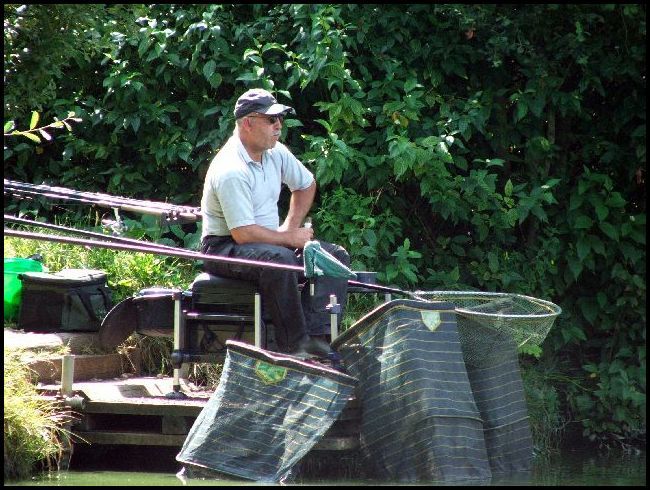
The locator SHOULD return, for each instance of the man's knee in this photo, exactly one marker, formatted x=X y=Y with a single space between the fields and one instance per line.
x=278 y=254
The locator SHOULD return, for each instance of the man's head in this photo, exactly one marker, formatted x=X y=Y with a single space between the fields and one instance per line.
x=258 y=100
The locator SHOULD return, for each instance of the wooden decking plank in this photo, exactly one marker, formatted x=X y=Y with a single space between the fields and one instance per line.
x=178 y=408
x=130 y=438
x=154 y=439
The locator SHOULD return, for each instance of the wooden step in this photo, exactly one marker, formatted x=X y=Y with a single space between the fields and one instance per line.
x=108 y=437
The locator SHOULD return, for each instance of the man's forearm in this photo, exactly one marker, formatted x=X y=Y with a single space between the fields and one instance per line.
x=295 y=237
x=299 y=206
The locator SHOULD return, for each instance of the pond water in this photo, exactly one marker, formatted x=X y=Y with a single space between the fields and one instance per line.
x=571 y=468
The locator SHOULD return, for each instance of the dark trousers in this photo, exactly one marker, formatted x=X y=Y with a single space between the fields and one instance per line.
x=294 y=313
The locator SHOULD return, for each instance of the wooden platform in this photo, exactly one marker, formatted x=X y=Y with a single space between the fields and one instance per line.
x=136 y=411
x=112 y=407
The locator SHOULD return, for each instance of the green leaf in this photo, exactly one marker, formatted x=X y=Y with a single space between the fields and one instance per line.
x=250 y=52
x=589 y=309
x=34 y=121
x=596 y=245
x=532 y=350
x=551 y=183
x=512 y=215
x=30 y=136
x=601 y=211
x=576 y=267
x=291 y=123
x=507 y=190
x=616 y=200
x=609 y=230
x=576 y=201
x=493 y=262
x=215 y=80
x=9 y=125
x=410 y=85
x=583 y=247
x=208 y=69
x=248 y=77
x=325 y=124
x=583 y=222
x=522 y=110
x=212 y=110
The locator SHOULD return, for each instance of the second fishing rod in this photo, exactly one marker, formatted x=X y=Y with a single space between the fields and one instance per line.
x=184 y=254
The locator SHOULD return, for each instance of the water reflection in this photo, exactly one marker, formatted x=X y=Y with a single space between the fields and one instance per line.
x=573 y=468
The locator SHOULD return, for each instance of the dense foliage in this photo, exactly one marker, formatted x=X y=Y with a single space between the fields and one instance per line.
x=491 y=147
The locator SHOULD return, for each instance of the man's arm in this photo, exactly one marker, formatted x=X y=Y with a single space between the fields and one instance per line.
x=294 y=238
x=299 y=206
x=290 y=234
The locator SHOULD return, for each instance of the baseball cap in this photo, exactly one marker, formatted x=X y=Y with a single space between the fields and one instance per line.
x=260 y=100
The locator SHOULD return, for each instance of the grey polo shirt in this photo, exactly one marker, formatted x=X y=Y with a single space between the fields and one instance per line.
x=240 y=192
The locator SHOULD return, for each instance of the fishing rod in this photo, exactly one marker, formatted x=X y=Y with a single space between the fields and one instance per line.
x=169 y=212
x=171 y=252
x=185 y=254
x=101 y=236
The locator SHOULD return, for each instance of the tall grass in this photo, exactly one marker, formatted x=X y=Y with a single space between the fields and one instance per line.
x=547 y=423
x=127 y=272
x=34 y=432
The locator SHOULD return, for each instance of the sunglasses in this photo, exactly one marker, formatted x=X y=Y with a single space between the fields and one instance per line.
x=270 y=119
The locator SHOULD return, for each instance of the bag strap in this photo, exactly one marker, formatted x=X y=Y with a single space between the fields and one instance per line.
x=105 y=294
x=85 y=300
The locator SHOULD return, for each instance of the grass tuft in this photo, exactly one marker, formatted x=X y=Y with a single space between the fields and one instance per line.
x=34 y=432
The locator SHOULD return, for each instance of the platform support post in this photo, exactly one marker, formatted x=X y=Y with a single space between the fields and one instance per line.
x=177 y=354
x=67 y=375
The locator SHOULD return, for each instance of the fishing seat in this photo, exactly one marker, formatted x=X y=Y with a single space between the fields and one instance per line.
x=234 y=305
x=219 y=309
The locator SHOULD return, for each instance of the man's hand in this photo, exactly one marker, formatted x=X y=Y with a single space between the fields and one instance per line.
x=299 y=236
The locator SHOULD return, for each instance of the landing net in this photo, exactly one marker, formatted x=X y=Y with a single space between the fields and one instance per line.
x=497 y=318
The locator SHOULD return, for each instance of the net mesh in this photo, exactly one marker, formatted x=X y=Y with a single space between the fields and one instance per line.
x=495 y=320
x=433 y=409
x=419 y=418
x=268 y=411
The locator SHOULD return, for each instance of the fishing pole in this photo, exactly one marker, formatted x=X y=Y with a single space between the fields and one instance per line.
x=185 y=254
x=385 y=289
x=170 y=212
x=115 y=238
x=171 y=252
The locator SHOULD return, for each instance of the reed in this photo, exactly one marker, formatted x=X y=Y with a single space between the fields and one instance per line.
x=35 y=436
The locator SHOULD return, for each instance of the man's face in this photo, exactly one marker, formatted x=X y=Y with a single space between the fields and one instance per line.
x=265 y=130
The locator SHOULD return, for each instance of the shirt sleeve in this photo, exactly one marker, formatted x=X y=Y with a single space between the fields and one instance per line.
x=294 y=173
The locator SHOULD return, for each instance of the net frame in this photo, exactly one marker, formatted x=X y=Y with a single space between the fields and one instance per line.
x=525 y=319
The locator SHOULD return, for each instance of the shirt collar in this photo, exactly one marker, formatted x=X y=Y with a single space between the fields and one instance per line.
x=241 y=150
